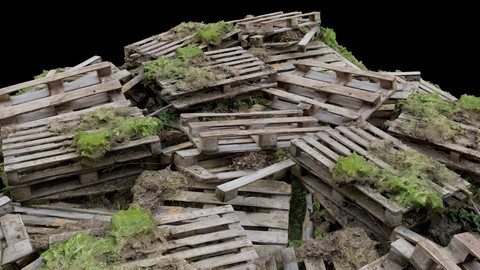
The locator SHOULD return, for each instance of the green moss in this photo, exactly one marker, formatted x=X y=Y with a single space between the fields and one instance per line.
x=282 y=154
x=329 y=37
x=189 y=53
x=182 y=30
x=410 y=188
x=425 y=105
x=100 y=129
x=297 y=213
x=468 y=102
x=212 y=33
x=81 y=251
x=127 y=223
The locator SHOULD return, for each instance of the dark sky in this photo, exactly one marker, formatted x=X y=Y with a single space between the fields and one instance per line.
x=436 y=40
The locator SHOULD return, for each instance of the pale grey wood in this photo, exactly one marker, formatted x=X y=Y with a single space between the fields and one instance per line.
x=229 y=190
x=289 y=259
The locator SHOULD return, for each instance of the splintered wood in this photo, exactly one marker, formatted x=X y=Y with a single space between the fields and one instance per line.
x=209 y=238
x=333 y=99
x=248 y=73
x=318 y=154
x=242 y=132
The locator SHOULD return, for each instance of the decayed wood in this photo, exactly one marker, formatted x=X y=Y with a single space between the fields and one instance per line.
x=279 y=23
x=289 y=259
x=5 y=205
x=229 y=190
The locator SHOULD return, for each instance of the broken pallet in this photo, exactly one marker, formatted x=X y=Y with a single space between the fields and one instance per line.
x=15 y=242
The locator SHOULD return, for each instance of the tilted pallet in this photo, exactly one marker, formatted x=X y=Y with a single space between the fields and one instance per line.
x=278 y=23
x=347 y=214
x=262 y=206
x=411 y=249
x=98 y=84
x=253 y=75
x=248 y=131
x=319 y=153
x=15 y=242
x=155 y=46
x=333 y=99
x=283 y=59
x=459 y=153
x=210 y=238
x=40 y=162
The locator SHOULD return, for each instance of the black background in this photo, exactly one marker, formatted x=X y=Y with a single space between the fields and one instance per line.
x=437 y=40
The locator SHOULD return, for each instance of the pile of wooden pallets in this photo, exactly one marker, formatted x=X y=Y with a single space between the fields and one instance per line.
x=318 y=154
x=40 y=161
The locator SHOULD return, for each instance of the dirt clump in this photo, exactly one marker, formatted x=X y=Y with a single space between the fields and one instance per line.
x=348 y=248
x=253 y=160
x=152 y=187
x=286 y=36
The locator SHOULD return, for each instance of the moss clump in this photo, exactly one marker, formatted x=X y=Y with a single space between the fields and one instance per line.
x=81 y=251
x=127 y=223
x=411 y=187
x=102 y=128
x=182 y=30
x=212 y=33
x=180 y=69
x=425 y=105
x=467 y=109
x=329 y=37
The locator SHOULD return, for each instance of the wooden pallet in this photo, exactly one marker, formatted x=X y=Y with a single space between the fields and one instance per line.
x=155 y=46
x=458 y=155
x=98 y=84
x=278 y=23
x=411 y=249
x=318 y=153
x=35 y=156
x=210 y=238
x=333 y=99
x=262 y=206
x=346 y=213
x=282 y=59
x=5 y=205
x=253 y=75
x=248 y=131
x=14 y=239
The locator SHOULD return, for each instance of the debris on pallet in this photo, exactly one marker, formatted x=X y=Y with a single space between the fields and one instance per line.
x=447 y=132
x=320 y=153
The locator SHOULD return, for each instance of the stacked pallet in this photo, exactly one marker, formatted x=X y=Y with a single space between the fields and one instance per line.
x=318 y=154
x=40 y=160
x=331 y=98
x=242 y=132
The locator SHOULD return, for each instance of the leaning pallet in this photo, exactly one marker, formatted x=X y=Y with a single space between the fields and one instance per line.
x=262 y=206
x=331 y=98
x=241 y=132
x=238 y=72
x=38 y=133
x=320 y=152
x=210 y=238
x=459 y=153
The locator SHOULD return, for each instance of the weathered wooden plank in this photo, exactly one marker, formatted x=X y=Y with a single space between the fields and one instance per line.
x=289 y=259
x=229 y=259
x=313 y=153
x=329 y=88
x=229 y=190
x=200 y=213
x=427 y=252
x=306 y=38
x=268 y=237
